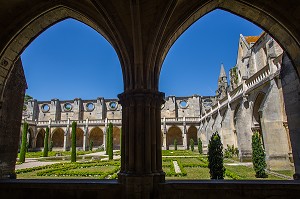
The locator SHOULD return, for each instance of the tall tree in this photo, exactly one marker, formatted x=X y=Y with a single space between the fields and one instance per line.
x=192 y=144
x=258 y=157
x=46 y=142
x=110 y=142
x=73 y=149
x=24 y=142
x=200 y=146
x=215 y=157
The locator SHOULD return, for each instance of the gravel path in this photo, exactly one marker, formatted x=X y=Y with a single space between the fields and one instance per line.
x=176 y=167
x=33 y=162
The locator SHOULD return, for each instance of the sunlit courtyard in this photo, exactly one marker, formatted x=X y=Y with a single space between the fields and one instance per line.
x=95 y=165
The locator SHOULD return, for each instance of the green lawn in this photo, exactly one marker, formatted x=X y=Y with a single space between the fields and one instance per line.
x=195 y=168
x=179 y=153
x=289 y=173
x=39 y=154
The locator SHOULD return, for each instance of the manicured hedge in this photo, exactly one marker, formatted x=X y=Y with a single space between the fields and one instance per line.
x=73 y=149
x=24 y=142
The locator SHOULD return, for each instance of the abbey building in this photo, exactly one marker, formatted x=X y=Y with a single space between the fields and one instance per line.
x=248 y=99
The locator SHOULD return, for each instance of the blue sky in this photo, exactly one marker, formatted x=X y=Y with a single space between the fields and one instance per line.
x=72 y=60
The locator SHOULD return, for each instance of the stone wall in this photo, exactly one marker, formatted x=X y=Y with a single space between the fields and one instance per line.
x=10 y=120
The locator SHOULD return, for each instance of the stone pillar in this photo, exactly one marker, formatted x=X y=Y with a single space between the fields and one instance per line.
x=105 y=133
x=164 y=135
x=291 y=94
x=217 y=126
x=203 y=135
x=66 y=136
x=274 y=135
x=11 y=106
x=227 y=130
x=184 y=135
x=141 y=166
x=208 y=129
x=85 y=134
x=165 y=141
x=244 y=131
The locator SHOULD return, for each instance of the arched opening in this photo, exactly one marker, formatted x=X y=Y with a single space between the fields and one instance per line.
x=237 y=108
x=69 y=41
x=96 y=135
x=173 y=133
x=257 y=112
x=256 y=57
x=116 y=137
x=40 y=138
x=222 y=4
x=79 y=137
x=192 y=134
x=57 y=138
x=30 y=135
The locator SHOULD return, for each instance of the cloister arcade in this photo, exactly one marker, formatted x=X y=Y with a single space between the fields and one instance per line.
x=142 y=32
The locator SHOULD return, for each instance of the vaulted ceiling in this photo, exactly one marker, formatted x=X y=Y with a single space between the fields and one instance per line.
x=141 y=31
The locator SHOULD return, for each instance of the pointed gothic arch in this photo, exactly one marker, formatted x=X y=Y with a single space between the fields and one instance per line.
x=96 y=135
x=40 y=138
x=174 y=132
x=116 y=137
x=57 y=138
x=192 y=134
x=79 y=137
x=256 y=111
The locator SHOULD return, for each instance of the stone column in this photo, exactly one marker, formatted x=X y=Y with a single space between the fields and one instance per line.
x=165 y=137
x=66 y=136
x=184 y=135
x=85 y=134
x=165 y=141
x=105 y=133
x=11 y=106
x=291 y=90
x=244 y=131
x=274 y=134
x=208 y=129
x=227 y=130
x=218 y=125
x=164 y=133
x=141 y=166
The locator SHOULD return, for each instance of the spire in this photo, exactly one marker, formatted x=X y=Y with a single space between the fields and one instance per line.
x=222 y=83
x=222 y=72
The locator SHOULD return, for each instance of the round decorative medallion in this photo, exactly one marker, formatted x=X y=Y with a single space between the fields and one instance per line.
x=183 y=104
x=90 y=106
x=68 y=107
x=45 y=108
x=113 y=105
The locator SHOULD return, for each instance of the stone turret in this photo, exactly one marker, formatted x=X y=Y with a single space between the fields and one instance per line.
x=222 y=83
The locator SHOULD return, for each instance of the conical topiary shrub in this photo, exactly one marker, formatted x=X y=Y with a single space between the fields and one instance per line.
x=192 y=144
x=91 y=145
x=24 y=142
x=200 y=146
x=215 y=157
x=175 y=144
x=73 y=149
x=110 y=141
x=258 y=157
